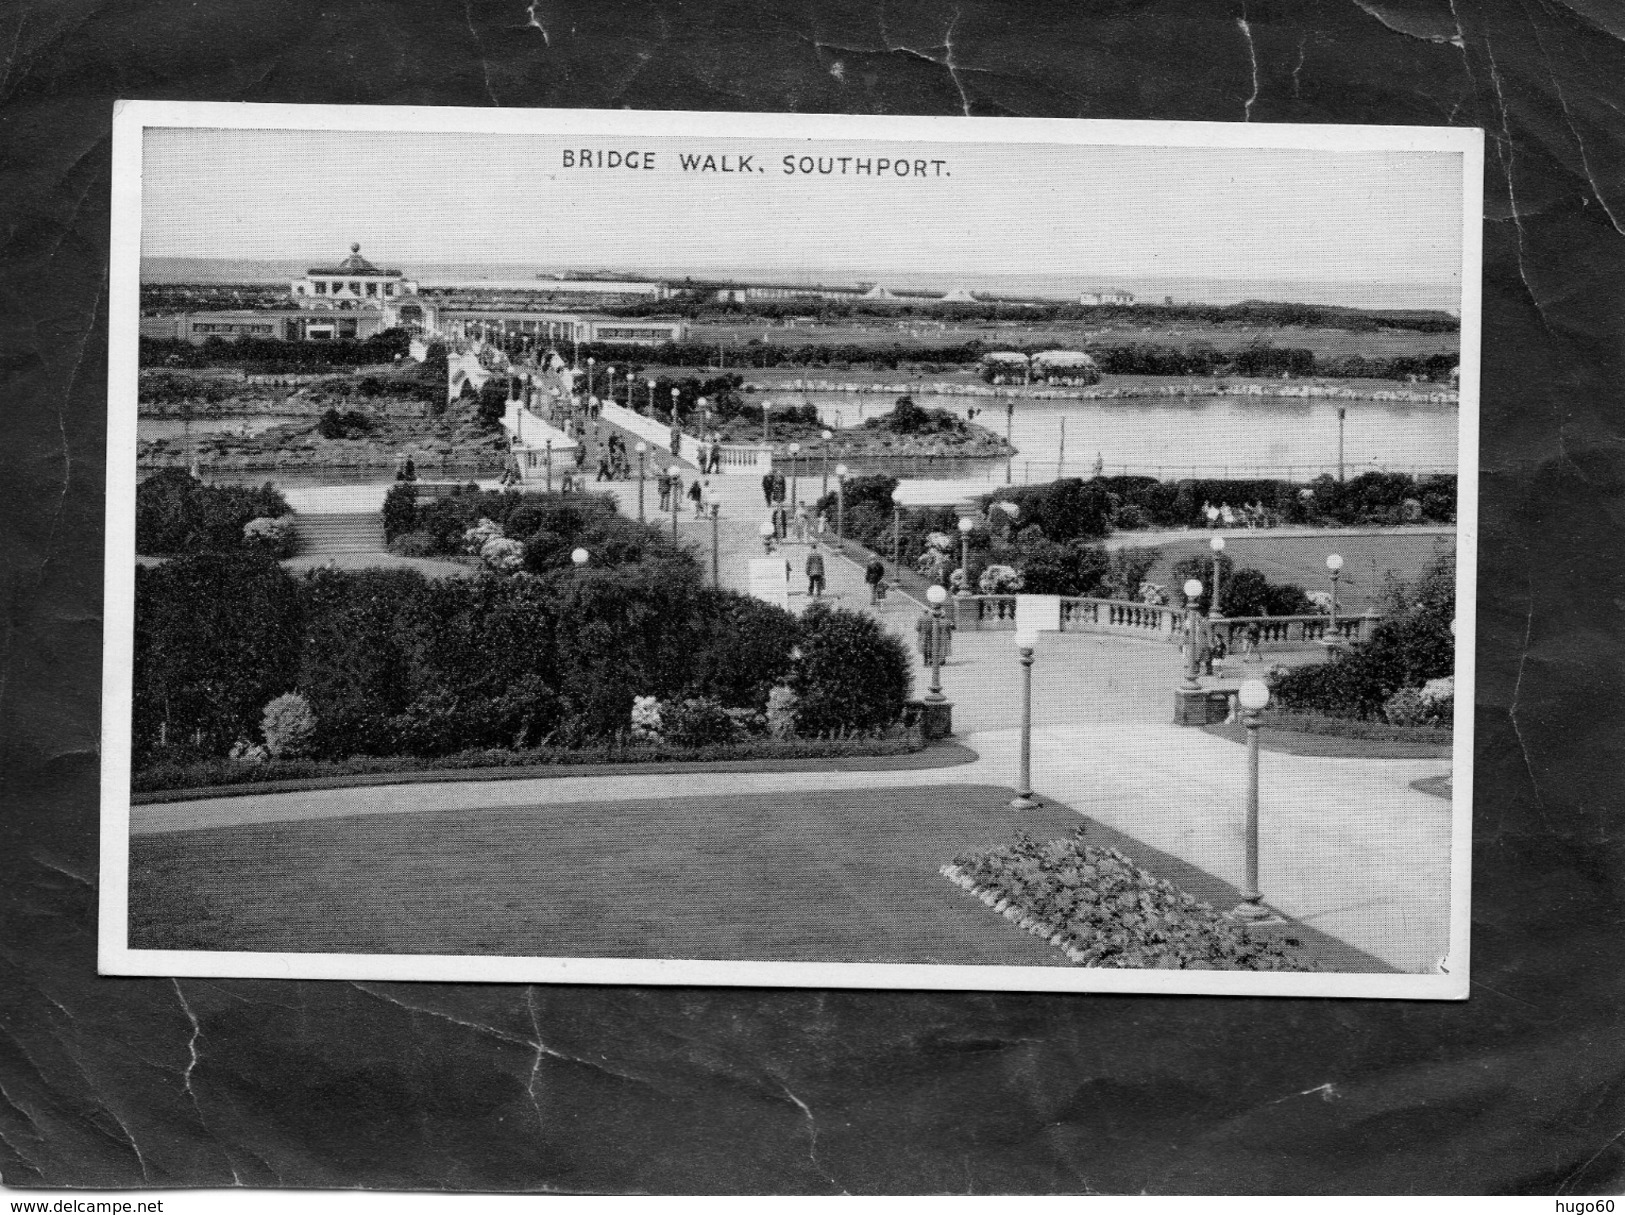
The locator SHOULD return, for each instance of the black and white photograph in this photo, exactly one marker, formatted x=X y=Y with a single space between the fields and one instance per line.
x=790 y=551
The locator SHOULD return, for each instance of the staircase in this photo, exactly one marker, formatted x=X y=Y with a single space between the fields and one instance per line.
x=322 y=535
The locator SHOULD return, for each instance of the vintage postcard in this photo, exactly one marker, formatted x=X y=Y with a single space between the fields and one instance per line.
x=762 y=549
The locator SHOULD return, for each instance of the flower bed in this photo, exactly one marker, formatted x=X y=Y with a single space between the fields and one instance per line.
x=1101 y=909
x=225 y=772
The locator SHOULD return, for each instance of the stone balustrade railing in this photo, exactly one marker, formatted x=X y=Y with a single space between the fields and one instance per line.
x=1124 y=618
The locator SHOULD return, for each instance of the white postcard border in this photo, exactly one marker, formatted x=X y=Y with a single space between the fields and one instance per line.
x=132 y=118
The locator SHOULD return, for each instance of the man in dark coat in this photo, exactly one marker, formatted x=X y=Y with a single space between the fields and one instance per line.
x=767 y=488
x=874 y=574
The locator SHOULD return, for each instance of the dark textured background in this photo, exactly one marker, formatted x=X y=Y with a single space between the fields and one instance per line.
x=121 y=1082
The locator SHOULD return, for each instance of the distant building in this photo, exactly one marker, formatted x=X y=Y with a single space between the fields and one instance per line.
x=1109 y=295
x=283 y=325
x=355 y=284
x=1004 y=367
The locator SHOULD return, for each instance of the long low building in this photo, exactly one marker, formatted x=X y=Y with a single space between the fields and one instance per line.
x=356 y=299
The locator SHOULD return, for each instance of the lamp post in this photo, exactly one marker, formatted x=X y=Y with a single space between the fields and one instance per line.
x=642 y=449
x=1217 y=545
x=795 y=475
x=1024 y=799
x=1253 y=695
x=1334 y=563
x=705 y=416
x=767 y=434
x=674 y=472
x=1193 y=624
x=840 y=501
x=651 y=385
x=826 y=436
x=550 y=466
x=1341 y=414
x=609 y=393
x=896 y=538
x=1010 y=450
x=676 y=440
x=965 y=526
x=590 y=362
x=716 y=560
x=579 y=557
x=935 y=596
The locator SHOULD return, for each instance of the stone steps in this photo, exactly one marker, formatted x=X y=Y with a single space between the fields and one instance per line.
x=330 y=534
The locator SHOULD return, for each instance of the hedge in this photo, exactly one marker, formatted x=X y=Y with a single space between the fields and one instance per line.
x=176 y=513
x=393 y=663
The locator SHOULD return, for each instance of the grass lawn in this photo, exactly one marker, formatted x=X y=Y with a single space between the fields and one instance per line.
x=1282 y=556
x=806 y=877
x=831 y=877
x=1298 y=742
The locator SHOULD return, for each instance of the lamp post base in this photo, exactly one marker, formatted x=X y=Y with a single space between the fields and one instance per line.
x=1200 y=706
x=1250 y=912
x=936 y=718
x=1024 y=803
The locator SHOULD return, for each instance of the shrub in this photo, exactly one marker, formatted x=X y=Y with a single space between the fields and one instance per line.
x=698 y=721
x=1405 y=708
x=274 y=537
x=782 y=704
x=400 y=509
x=1073 y=568
x=1106 y=911
x=288 y=726
x=646 y=719
x=349 y=424
x=412 y=544
x=852 y=675
x=176 y=513
x=999 y=580
x=502 y=555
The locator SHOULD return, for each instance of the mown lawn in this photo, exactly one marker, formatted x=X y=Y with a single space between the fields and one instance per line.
x=814 y=877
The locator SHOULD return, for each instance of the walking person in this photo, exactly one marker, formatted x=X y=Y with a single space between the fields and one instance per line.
x=780 y=485
x=767 y=488
x=604 y=473
x=663 y=485
x=815 y=573
x=875 y=575
x=801 y=523
x=1249 y=649
x=696 y=495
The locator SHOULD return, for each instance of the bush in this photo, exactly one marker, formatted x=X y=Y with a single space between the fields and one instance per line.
x=852 y=675
x=400 y=509
x=176 y=513
x=1106 y=911
x=274 y=537
x=1073 y=568
x=698 y=721
x=412 y=544
x=349 y=424
x=288 y=726
x=781 y=711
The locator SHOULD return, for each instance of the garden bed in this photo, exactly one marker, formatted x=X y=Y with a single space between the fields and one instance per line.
x=1342 y=737
x=227 y=778
x=1101 y=909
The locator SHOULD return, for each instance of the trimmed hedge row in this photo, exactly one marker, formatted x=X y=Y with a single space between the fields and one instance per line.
x=393 y=663
x=176 y=513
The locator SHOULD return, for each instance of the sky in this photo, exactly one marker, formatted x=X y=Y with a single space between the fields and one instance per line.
x=1101 y=213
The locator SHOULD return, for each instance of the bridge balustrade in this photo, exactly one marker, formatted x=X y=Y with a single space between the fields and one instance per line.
x=1085 y=615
